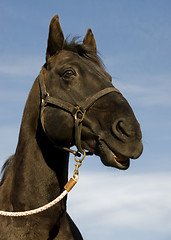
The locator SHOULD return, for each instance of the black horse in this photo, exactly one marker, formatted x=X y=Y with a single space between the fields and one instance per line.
x=72 y=102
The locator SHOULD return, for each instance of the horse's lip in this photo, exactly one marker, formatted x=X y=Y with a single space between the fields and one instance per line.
x=121 y=160
x=112 y=158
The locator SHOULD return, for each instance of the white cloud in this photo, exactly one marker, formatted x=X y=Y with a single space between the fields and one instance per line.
x=123 y=201
x=20 y=65
x=13 y=96
x=147 y=88
x=154 y=90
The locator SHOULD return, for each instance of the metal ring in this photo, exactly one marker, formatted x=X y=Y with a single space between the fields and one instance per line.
x=79 y=163
x=78 y=110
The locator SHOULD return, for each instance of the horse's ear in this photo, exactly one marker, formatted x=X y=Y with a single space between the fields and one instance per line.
x=55 y=39
x=89 y=40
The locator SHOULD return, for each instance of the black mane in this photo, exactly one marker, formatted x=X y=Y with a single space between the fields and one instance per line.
x=83 y=50
x=5 y=169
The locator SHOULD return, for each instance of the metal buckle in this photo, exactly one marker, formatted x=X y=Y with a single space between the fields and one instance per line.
x=44 y=103
x=79 y=111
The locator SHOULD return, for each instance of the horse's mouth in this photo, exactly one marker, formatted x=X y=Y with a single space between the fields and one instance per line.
x=112 y=158
x=121 y=161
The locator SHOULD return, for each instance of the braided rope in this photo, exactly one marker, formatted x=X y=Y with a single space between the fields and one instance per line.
x=67 y=187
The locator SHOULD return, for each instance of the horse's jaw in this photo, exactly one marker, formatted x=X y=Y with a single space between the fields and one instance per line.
x=111 y=157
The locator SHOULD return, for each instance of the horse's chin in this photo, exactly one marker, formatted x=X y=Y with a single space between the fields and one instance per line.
x=113 y=159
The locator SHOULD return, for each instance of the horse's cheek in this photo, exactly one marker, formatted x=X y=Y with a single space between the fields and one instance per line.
x=59 y=125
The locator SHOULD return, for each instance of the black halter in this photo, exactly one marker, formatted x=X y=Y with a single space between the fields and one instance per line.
x=78 y=112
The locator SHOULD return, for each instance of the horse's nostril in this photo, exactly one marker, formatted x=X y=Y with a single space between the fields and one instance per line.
x=119 y=130
x=122 y=128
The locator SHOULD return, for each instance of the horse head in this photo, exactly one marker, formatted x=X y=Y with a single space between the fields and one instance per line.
x=80 y=102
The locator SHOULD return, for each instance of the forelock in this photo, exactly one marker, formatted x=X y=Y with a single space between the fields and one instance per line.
x=83 y=50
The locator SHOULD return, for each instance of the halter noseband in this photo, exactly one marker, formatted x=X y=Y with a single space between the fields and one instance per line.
x=78 y=112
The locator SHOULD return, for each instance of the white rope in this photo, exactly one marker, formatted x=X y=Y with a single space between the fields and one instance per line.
x=45 y=207
x=37 y=210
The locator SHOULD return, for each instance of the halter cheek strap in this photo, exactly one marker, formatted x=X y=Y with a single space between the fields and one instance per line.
x=78 y=112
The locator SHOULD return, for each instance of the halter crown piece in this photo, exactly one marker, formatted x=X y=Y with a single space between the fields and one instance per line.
x=78 y=113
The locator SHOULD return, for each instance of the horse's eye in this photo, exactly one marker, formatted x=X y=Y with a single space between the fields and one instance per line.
x=68 y=74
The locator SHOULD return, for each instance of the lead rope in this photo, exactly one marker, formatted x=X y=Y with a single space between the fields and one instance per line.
x=69 y=185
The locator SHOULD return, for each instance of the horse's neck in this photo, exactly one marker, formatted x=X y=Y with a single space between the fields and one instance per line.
x=36 y=176
x=40 y=171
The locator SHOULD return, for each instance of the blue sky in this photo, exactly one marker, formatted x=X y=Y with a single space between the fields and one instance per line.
x=134 y=41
